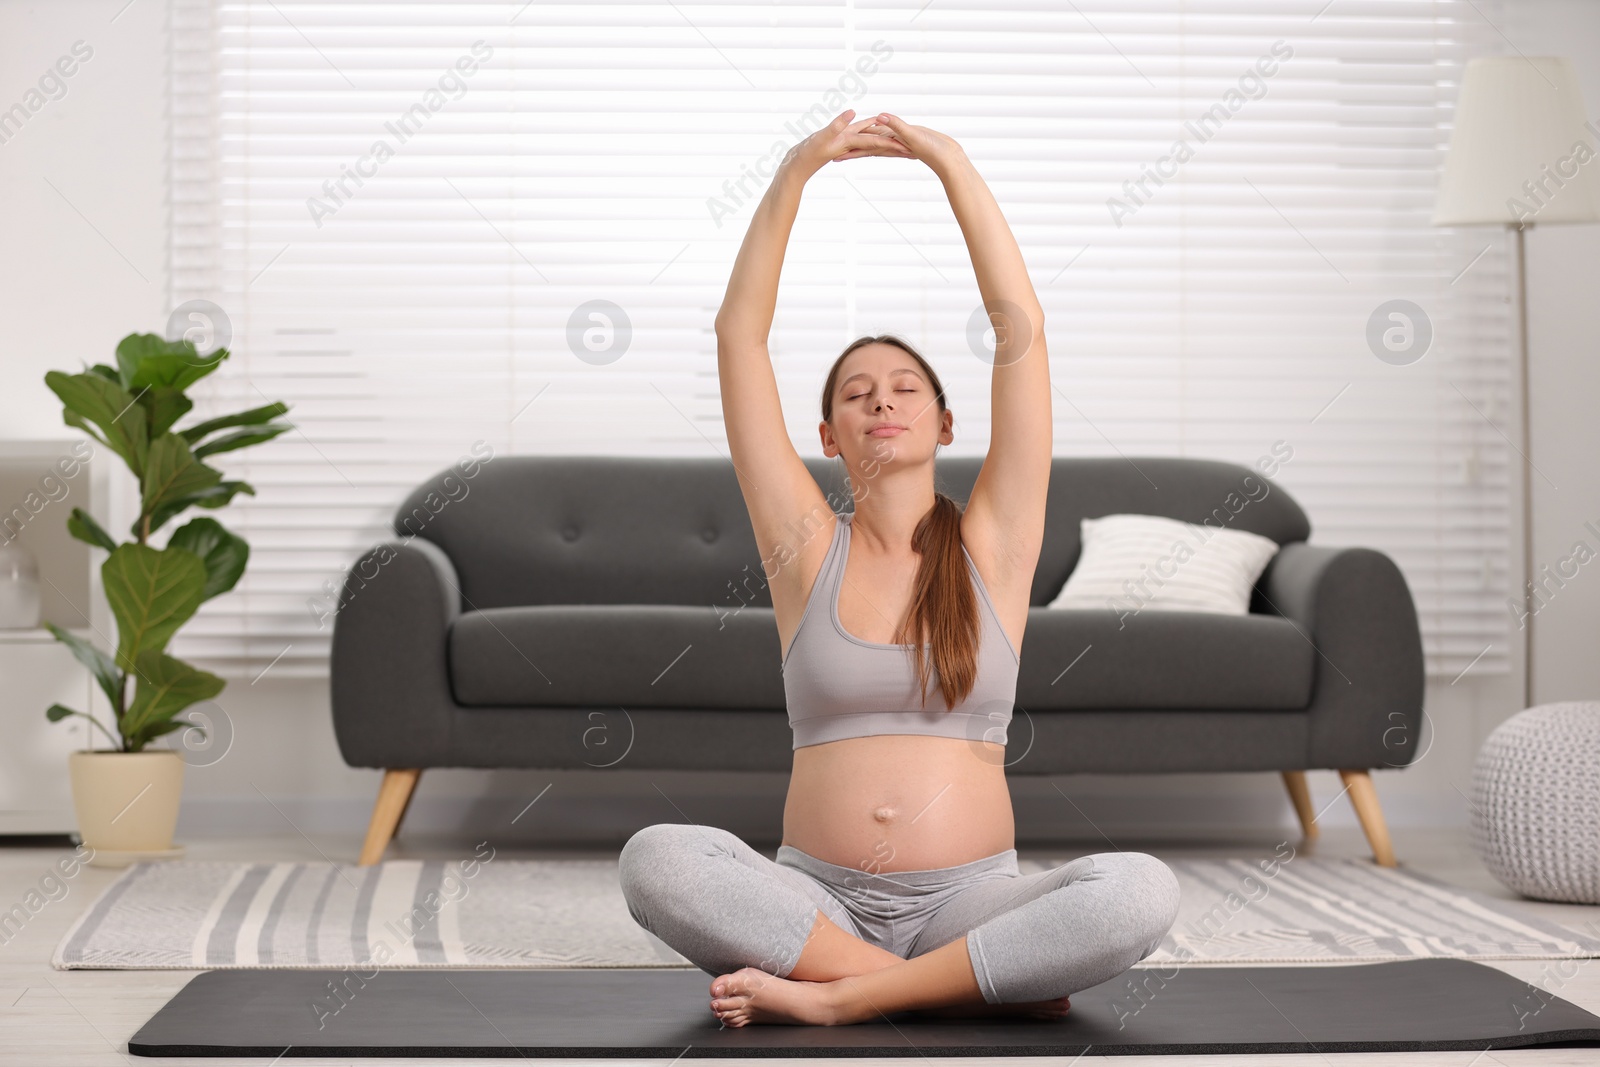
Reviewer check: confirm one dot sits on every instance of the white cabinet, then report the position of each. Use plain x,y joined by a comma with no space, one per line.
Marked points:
36,670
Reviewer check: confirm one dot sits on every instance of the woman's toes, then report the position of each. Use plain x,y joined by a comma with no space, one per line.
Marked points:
754,996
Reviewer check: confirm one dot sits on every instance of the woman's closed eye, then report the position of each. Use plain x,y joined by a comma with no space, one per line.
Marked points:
858,396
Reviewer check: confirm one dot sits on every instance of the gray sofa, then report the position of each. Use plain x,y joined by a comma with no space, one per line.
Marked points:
595,611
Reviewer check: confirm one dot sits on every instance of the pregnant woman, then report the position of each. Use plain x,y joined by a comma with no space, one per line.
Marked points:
896,887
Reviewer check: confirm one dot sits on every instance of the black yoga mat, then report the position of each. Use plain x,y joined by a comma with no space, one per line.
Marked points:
1405,1006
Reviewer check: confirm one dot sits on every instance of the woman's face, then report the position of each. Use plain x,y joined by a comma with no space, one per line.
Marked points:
884,410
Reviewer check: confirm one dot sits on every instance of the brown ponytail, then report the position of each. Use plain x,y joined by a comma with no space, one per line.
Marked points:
944,608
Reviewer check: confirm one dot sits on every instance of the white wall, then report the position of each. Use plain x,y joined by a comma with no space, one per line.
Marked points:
70,276
69,293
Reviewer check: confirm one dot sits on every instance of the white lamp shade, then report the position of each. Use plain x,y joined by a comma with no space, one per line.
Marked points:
1522,150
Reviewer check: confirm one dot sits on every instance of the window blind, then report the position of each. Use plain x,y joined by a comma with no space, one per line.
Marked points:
437,229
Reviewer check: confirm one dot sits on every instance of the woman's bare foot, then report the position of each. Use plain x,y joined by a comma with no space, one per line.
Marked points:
1036,1009
751,995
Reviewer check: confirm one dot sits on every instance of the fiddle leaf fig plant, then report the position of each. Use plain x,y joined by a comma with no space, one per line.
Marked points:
131,409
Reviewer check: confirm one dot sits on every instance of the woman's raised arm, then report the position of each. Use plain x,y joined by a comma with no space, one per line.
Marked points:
776,485
1005,512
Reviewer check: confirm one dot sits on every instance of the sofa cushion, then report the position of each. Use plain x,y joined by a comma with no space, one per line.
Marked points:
668,656
628,655
1138,563
1081,658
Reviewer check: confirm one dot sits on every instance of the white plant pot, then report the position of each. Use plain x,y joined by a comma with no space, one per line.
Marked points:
127,803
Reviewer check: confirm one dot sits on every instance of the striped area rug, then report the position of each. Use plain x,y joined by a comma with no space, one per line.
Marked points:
1306,910
571,913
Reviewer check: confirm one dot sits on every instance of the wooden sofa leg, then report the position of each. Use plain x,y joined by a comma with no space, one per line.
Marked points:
406,808
1300,794
1365,798
394,796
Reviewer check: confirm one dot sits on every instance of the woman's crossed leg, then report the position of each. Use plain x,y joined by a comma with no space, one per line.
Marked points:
1053,933
1026,939
726,907
752,921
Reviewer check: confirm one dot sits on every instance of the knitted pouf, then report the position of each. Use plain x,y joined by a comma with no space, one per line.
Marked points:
1536,802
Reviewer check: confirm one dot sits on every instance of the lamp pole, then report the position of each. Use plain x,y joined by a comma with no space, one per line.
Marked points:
1527,465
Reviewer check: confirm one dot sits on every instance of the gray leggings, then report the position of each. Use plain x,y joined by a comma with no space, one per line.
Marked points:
723,906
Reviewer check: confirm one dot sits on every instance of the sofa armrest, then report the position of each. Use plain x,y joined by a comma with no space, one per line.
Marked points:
389,670
1355,608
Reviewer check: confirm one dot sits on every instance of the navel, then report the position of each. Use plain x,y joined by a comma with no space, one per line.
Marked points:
883,814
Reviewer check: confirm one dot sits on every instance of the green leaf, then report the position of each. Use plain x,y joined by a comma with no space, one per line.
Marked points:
81,524
152,592
164,406
102,666
150,360
72,418
253,417
171,472
108,373
216,500
153,732
166,686
223,554
110,407
57,712
241,439
214,497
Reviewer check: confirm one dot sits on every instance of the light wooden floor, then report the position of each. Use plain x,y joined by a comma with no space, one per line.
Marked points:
86,1017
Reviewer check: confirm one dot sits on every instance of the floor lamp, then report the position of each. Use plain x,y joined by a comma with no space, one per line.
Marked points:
1521,154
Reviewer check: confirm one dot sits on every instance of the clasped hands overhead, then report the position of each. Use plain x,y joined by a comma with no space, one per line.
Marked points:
883,134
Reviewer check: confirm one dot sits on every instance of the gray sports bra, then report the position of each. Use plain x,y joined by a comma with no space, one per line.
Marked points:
840,686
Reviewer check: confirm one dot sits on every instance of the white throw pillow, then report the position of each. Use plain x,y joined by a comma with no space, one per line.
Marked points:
1133,562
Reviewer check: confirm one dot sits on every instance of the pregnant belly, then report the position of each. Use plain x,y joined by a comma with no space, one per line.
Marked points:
899,803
